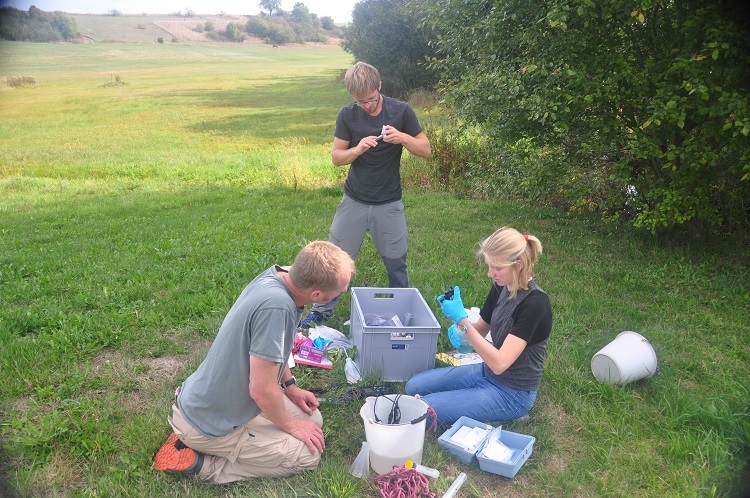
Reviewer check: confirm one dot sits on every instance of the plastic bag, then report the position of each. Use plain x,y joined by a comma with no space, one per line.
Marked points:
338,340
361,466
494,449
383,320
351,371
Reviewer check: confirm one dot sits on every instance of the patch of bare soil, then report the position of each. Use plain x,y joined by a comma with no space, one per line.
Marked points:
147,373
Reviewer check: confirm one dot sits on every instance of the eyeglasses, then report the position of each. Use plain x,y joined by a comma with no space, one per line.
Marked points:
362,103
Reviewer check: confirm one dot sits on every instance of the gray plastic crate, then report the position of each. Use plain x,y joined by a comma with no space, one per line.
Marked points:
393,353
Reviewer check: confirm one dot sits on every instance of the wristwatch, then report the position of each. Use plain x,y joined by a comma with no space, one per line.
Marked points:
463,328
288,383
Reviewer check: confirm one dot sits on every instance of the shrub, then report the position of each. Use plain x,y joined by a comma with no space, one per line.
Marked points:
160,39
327,23
280,34
233,31
318,38
36,25
17,81
257,27
209,26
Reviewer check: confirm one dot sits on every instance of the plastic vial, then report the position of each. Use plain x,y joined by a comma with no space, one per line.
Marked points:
455,486
428,471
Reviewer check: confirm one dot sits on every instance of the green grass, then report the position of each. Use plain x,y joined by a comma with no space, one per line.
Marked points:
131,217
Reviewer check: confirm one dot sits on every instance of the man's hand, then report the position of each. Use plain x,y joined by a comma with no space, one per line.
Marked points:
308,433
366,144
302,398
392,135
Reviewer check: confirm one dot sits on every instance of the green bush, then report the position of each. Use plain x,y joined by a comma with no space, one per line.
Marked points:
257,27
36,25
280,34
233,31
380,25
647,109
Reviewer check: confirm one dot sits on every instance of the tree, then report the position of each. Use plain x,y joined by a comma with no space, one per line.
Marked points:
327,23
301,14
386,34
646,108
270,6
36,25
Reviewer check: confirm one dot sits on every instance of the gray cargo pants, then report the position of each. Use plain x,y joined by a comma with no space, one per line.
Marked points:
387,226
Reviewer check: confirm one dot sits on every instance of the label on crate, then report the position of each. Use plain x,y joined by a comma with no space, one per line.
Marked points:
403,347
402,336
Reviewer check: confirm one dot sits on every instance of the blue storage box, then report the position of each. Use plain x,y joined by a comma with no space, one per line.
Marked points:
520,444
463,454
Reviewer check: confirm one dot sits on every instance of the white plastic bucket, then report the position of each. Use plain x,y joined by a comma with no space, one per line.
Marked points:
628,358
394,444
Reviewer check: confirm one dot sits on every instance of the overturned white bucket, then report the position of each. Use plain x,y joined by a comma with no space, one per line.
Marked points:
393,442
628,358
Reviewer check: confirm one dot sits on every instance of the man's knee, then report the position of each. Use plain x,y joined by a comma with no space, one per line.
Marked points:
317,418
308,460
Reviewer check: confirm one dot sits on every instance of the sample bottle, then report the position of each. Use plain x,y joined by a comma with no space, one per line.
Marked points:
428,471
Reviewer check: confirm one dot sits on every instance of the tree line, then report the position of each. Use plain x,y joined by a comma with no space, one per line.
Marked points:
278,27
36,25
636,111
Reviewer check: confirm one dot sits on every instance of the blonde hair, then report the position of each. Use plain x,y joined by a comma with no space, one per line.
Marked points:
319,266
362,79
506,247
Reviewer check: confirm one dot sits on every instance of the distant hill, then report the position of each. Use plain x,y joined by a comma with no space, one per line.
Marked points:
148,28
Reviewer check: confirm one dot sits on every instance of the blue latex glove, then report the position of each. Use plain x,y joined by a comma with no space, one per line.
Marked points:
453,308
454,337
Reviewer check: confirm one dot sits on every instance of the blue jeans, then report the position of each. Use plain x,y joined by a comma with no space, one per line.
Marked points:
468,390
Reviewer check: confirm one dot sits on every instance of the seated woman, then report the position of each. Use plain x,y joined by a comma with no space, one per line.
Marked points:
518,314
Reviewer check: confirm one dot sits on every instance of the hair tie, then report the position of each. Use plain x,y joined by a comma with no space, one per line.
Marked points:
525,236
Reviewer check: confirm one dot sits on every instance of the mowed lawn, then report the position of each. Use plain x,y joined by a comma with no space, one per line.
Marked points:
143,185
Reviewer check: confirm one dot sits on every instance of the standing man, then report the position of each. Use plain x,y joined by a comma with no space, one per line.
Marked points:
240,414
370,136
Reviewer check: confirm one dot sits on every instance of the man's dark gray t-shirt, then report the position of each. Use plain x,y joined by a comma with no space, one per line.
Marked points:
375,177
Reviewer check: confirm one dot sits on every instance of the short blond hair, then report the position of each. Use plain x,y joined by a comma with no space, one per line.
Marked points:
319,266
362,79
506,247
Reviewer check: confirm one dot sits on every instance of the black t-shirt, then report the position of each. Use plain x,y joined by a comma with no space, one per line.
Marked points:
532,319
375,177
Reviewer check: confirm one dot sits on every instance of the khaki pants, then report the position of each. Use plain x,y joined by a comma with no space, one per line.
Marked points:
257,449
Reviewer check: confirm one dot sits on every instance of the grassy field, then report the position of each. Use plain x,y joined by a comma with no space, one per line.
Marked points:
143,185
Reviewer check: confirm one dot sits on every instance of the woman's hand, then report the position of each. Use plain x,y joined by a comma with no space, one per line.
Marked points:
453,308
